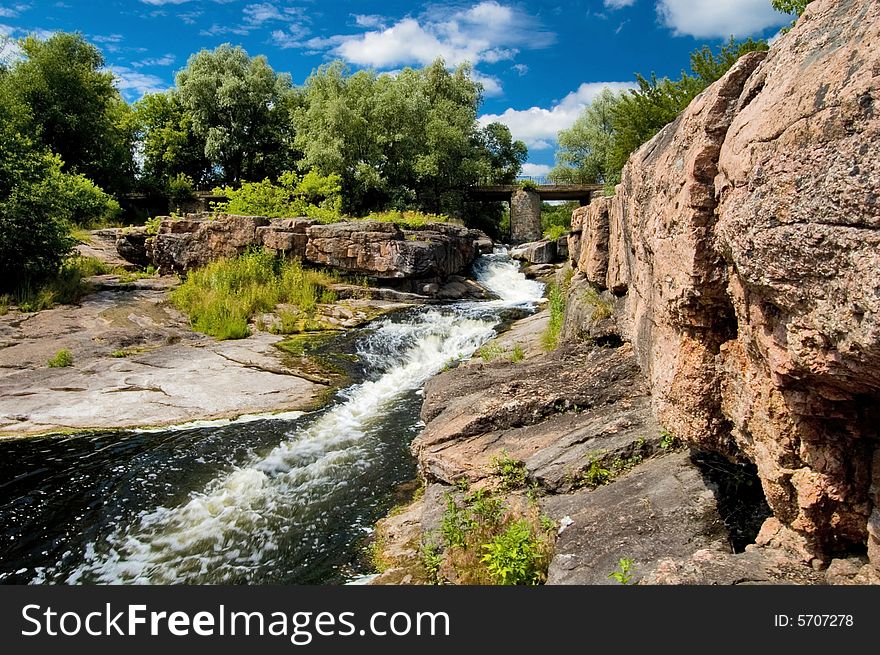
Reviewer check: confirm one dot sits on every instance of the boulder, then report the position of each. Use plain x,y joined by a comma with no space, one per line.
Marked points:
131,245
562,248
287,237
383,250
536,252
182,245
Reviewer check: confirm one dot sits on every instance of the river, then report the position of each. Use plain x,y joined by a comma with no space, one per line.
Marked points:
286,500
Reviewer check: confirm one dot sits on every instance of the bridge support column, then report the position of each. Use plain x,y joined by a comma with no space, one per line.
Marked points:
525,216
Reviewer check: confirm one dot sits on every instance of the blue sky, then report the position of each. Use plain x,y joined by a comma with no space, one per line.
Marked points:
540,61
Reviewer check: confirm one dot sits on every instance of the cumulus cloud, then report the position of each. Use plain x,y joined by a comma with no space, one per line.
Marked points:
719,18
538,126
485,32
491,85
134,85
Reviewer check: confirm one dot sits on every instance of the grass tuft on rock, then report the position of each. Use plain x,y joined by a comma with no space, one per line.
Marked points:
221,298
62,359
556,296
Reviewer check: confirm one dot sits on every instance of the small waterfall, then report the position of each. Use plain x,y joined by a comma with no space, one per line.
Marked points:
270,512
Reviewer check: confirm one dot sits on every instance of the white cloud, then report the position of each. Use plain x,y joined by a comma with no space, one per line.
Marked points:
165,60
159,3
134,85
538,126
535,170
719,18
521,69
370,21
265,12
485,32
619,4
491,85
13,11
107,38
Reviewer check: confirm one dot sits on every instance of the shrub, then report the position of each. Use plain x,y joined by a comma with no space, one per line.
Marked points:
62,359
83,202
557,317
180,189
513,472
222,297
411,220
528,185
624,573
516,556
555,232
313,195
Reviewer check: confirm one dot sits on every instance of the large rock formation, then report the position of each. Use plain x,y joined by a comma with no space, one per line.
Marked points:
744,240
371,248
383,250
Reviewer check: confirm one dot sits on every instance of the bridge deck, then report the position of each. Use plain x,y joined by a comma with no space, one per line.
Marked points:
582,192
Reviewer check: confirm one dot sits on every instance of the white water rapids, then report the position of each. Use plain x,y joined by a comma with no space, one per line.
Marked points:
239,523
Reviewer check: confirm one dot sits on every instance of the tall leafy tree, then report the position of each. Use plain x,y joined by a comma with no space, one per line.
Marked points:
584,149
169,144
239,106
75,109
796,7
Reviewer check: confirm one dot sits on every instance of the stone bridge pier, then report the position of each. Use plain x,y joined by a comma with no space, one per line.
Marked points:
525,204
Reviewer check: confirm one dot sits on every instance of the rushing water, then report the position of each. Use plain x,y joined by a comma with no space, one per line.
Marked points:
281,500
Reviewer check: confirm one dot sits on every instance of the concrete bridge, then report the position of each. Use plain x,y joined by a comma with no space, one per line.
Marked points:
525,203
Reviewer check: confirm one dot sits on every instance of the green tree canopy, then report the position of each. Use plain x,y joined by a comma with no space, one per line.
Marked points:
410,141
613,126
584,149
169,144
75,110
239,107
796,7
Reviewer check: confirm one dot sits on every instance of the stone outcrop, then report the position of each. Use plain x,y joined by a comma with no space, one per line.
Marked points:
385,251
743,244
370,248
536,252
182,245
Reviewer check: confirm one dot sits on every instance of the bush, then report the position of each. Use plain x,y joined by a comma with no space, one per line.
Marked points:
512,472
180,189
222,297
82,202
313,195
516,556
410,220
556,232
62,359
557,317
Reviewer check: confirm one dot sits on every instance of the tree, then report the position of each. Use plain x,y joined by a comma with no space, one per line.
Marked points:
796,7
239,107
170,146
75,110
596,148
584,149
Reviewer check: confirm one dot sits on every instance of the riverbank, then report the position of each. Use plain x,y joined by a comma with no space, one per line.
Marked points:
134,362
570,435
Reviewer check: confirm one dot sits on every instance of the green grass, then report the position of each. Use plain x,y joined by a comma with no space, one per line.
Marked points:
221,298
490,352
556,296
518,354
67,287
602,308
486,541
62,359
5,303
407,219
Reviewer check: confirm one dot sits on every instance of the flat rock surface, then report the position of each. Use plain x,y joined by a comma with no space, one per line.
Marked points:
663,508
135,363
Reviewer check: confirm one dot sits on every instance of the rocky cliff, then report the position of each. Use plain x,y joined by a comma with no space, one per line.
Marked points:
741,252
